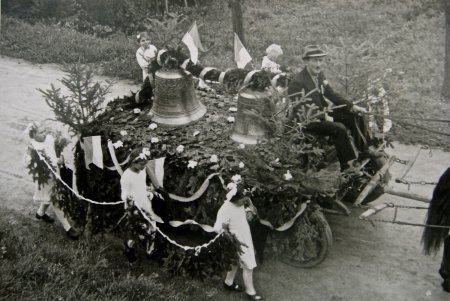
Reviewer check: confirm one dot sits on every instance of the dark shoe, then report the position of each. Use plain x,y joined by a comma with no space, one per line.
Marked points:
73,234
45,218
130,253
254,297
234,287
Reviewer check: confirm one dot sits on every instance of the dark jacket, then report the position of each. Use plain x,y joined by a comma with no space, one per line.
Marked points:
302,82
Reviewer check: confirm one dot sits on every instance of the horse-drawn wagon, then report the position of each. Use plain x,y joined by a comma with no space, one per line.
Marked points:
200,142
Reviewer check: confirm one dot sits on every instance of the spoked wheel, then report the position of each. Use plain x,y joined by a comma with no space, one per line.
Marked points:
312,241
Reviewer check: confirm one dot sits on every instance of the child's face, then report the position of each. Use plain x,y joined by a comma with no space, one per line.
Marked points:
39,135
144,42
273,56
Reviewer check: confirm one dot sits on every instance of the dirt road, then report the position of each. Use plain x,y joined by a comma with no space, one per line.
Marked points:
365,263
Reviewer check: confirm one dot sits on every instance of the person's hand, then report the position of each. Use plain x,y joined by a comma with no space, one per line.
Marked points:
163,192
358,109
60,160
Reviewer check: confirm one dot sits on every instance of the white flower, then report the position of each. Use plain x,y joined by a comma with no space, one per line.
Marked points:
146,151
196,133
118,144
192,164
232,109
241,165
236,178
232,187
288,176
137,111
154,140
123,133
153,126
142,156
214,159
230,119
242,145
180,148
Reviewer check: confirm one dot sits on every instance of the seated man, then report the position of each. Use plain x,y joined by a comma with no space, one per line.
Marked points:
311,82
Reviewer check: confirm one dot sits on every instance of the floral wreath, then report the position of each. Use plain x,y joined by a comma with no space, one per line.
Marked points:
144,155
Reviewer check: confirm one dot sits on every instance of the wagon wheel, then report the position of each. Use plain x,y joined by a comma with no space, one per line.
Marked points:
312,250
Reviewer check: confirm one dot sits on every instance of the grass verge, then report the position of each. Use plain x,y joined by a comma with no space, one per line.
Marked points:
38,262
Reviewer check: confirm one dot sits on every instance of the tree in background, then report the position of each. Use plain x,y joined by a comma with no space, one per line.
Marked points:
236,15
446,84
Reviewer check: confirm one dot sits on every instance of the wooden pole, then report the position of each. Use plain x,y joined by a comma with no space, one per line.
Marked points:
407,195
374,181
236,15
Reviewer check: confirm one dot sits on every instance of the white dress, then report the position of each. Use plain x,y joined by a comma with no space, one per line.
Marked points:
144,58
134,184
236,218
42,193
269,65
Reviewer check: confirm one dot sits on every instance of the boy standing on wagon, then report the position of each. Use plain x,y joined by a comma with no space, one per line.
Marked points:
146,56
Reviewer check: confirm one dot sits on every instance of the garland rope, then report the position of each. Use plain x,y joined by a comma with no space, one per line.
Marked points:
196,248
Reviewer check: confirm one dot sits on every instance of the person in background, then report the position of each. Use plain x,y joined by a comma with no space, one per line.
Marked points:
269,62
43,142
232,215
312,84
439,215
134,191
146,56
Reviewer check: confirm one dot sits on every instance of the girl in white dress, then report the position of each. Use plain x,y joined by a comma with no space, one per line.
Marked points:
134,189
232,215
42,142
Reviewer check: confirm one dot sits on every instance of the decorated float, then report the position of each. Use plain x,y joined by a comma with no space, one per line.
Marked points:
199,143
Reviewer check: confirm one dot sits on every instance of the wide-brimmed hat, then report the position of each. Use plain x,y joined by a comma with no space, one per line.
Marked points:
313,51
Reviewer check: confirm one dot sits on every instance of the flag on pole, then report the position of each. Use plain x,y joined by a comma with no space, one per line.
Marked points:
241,55
193,43
93,153
156,167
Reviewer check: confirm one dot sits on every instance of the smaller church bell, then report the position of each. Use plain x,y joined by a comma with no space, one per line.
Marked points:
175,101
248,128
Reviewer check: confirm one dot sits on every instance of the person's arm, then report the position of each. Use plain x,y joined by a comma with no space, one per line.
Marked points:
336,98
143,63
125,189
221,219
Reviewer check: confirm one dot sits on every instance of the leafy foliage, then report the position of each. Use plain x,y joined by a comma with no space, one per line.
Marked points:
84,101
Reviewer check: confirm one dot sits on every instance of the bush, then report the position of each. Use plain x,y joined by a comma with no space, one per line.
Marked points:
41,43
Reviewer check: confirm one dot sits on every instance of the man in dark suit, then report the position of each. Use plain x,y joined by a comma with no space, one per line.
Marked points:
311,87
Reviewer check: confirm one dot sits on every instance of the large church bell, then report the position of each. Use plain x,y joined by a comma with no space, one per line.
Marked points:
175,102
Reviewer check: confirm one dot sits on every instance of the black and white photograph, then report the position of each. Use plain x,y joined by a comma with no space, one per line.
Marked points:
284,150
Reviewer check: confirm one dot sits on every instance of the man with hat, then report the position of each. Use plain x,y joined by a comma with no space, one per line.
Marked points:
311,87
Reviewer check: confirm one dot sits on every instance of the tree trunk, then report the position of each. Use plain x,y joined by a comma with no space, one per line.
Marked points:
167,6
236,15
446,84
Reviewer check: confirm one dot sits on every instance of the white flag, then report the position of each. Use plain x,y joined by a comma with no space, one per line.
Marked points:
93,153
241,55
193,43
